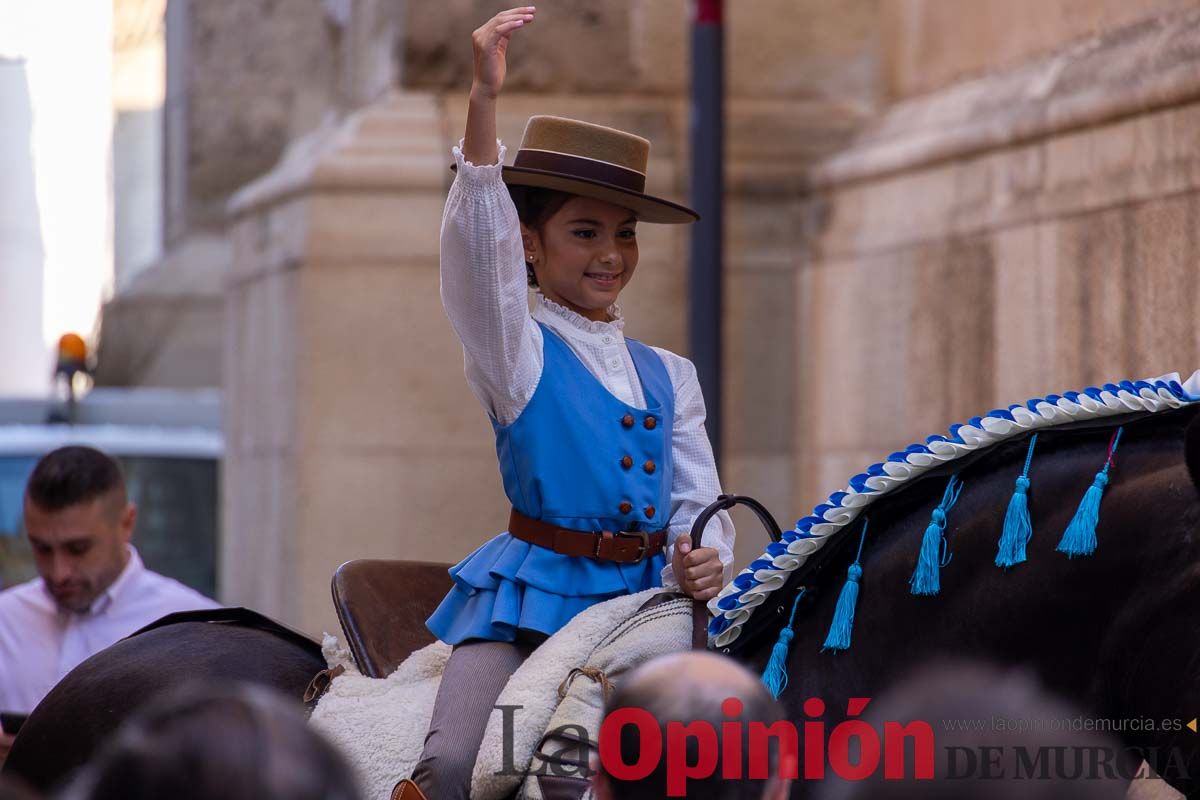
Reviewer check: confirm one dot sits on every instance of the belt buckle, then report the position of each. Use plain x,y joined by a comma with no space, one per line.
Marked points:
643,547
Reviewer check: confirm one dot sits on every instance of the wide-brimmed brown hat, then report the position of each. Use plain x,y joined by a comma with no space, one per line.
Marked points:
593,161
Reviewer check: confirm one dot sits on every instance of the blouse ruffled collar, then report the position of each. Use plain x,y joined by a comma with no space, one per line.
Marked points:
580,322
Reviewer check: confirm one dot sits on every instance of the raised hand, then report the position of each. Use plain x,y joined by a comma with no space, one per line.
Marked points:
490,45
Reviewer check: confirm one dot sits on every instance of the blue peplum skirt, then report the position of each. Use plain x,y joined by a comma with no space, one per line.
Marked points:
507,585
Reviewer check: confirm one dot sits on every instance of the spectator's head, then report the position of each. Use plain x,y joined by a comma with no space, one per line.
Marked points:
12,789
987,723
686,688
239,742
79,522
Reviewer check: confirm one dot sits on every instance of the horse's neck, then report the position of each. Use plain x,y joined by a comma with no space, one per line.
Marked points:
1051,612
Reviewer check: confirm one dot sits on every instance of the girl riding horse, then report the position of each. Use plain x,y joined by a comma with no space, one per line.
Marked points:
600,438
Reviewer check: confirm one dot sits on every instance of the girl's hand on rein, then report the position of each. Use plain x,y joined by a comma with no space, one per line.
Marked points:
700,572
490,44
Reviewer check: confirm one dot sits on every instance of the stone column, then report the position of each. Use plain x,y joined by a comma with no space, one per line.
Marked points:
242,79
138,84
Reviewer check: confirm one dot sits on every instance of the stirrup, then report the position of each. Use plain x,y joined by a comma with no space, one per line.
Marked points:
407,790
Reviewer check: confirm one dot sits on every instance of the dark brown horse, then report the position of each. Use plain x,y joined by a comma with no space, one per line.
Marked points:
1117,633
85,708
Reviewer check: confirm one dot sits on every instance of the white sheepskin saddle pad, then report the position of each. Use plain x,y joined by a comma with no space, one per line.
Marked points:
380,724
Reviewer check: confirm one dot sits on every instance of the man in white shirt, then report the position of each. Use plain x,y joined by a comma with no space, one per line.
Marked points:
93,589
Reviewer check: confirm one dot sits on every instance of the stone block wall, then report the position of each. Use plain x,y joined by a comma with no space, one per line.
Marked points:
257,74
929,44
1028,231
242,79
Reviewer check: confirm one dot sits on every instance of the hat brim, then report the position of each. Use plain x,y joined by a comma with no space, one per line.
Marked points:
647,207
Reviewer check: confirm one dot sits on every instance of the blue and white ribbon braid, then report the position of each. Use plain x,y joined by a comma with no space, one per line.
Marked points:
753,585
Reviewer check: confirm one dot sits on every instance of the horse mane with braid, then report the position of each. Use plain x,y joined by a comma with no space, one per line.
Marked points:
1084,621
939,455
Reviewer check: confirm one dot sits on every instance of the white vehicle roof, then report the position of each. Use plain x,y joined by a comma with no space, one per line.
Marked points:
116,440
167,408
122,422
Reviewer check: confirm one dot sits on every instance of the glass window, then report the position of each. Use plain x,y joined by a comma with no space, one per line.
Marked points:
16,560
176,532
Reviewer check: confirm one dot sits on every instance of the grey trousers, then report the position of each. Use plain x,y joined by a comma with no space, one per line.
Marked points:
475,674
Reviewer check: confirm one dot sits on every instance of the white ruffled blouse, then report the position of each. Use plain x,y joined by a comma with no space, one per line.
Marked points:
485,292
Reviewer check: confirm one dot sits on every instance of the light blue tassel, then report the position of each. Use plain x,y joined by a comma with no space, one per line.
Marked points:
775,675
1017,528
935,554
843,615
1079,539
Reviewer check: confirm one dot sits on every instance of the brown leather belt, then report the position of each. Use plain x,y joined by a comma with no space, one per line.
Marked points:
624,547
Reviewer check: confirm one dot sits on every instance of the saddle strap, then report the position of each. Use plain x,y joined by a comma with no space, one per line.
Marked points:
699,625
700,615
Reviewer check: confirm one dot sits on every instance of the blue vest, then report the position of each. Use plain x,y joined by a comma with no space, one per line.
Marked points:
563,462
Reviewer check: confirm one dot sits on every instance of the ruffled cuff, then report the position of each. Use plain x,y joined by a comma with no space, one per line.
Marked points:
475,174
668,572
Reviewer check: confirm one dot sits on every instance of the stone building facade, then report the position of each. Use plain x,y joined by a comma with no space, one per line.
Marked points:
239,81
1020,219
933,209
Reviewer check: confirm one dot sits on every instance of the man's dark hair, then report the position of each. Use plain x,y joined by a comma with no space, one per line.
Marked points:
680,698
71,476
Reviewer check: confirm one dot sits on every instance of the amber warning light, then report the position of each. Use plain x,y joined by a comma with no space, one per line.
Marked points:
72,354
